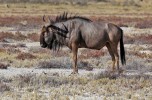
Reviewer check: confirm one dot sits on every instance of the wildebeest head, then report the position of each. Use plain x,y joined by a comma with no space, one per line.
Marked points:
48,35
42,40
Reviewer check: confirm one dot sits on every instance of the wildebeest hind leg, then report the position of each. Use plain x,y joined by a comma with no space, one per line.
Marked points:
111,54
116,56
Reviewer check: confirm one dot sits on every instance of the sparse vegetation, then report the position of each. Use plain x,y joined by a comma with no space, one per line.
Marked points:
23,56
18,36
138,39
3,66
4,87
52,86
33,37
86,53
30,72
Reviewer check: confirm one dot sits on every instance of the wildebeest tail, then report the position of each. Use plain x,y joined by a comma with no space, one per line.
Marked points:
122,49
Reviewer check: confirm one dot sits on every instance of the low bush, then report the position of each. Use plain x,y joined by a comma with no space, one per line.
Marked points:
3,66
23,56
4,87
86,53
9,35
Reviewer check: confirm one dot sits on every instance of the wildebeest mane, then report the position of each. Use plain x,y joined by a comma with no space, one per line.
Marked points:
59,30
56,46
57,43
58,40
65,17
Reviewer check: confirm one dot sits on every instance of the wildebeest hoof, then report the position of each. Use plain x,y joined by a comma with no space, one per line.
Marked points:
74,73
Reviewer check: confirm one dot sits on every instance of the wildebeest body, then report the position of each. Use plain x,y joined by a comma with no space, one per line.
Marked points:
79,32
91,35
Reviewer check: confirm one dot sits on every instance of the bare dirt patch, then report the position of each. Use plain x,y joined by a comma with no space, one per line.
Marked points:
31,72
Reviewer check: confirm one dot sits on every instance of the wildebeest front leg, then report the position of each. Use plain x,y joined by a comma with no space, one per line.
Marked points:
74,56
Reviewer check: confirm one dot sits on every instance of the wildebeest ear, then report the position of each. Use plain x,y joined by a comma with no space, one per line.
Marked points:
43,28
44,18
49,19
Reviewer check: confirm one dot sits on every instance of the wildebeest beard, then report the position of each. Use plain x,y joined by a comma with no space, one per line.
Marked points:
56,45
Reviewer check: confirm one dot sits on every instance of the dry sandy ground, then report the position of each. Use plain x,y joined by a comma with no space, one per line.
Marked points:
62,75
129,47
11,72
86,78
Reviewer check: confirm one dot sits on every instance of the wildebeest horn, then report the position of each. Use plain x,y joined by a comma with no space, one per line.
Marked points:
59,30
44,18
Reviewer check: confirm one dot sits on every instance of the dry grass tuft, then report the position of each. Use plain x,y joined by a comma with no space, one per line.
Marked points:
22,80
2,50
60,53
4,35
126,21
86,53
3,66
23,56
139,65
146,39
141,55
61,62
105,74
4,87
39,50
12,50
9,35
144,24
64,63
128,40
138,39
20,36
46,64
34,37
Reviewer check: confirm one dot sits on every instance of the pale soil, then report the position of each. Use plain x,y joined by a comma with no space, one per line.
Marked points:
12,72
33,83
97,75
128,31
72,91
136,32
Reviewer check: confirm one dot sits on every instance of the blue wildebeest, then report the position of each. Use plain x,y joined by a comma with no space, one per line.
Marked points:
79,32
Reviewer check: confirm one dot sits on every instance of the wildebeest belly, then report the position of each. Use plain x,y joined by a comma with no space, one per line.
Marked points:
94,35
94,40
